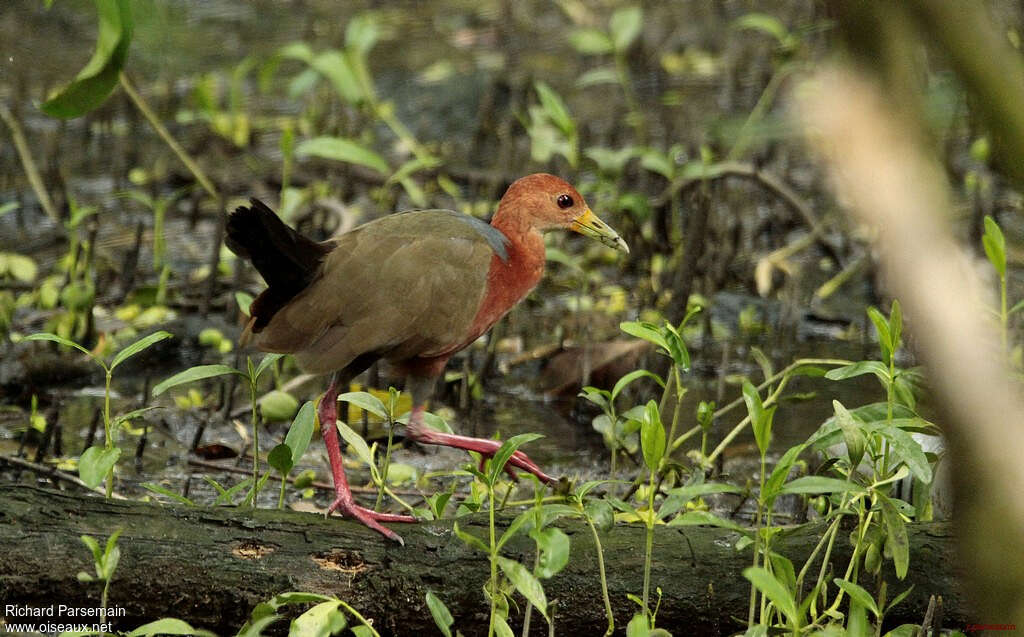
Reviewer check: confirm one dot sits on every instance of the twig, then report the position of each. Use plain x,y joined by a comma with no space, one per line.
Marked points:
29,164
54,473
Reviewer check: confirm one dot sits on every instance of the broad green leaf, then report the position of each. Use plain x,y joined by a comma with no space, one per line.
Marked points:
278,406
760,418
678,497
652,436
177,497
469,539
94,464
705,518
97,79
780,473
323,620
367,401
280,458
502,455
169,626
773,589
908,450
555,108
995,245
818,484
638,626
896,323
765,23
341,149
442,616
301,431
601,514
591,42
46,336
856,441
138,346
858,594
355,441
191,375
338,69
20,267
896,533
859,369
625,26
884,333
267,361
524,581
553,545
646,331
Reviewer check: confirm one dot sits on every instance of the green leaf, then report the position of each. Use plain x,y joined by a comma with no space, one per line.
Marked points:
94,547
138,346
646,331
94,464
301,431
169,626
856,441
765,23
909,451
46,336
366,401
705,518
760,418
553,545
267,361
859,369
502,455
632,376
341,149
601,514
555,108
780,473
361,33
818,484
896,533
442,616
177,497
773,589
600,75
338,69
244,301
95,82
678,497
280,458
323,620
278,406
524,581
355,441
652,436
192,374
591,42
20,267
625,25
638,626
8,207
884,334
858,594
995,245
469,539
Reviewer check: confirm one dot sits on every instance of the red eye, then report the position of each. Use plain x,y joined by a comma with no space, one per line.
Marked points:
564,201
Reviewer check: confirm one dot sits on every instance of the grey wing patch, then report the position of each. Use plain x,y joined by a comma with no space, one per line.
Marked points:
495,238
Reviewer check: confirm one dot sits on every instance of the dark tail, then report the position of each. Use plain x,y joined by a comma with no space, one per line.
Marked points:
287,260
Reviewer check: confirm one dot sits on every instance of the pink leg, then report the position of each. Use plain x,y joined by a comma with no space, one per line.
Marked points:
343,502
422,434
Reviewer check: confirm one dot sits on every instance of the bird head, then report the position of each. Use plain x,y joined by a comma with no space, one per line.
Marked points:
546,202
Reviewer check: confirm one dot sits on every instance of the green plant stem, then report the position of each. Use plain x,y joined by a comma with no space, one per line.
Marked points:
108,434
385,465
863,522
600,568
649,544
164,134
361,619
255,439
103,600
494,561
757,543
280,498
29,165
684,437
679,404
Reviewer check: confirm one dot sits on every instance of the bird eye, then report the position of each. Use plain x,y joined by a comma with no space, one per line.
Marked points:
564,201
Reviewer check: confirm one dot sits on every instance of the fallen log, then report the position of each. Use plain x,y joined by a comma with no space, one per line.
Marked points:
210,566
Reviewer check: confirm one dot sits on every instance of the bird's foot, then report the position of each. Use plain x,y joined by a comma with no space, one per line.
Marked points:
518,460
349,509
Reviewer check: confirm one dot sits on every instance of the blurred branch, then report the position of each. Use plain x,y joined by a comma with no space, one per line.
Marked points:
878,165
28,164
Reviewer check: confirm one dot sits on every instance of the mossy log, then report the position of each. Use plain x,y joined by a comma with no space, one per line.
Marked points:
210,566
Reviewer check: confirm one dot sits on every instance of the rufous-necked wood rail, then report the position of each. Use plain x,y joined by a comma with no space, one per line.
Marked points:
412,288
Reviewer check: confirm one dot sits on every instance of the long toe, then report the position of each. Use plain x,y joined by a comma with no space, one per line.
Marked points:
370,518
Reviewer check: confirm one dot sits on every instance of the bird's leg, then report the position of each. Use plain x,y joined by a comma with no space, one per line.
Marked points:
425,435
343,501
